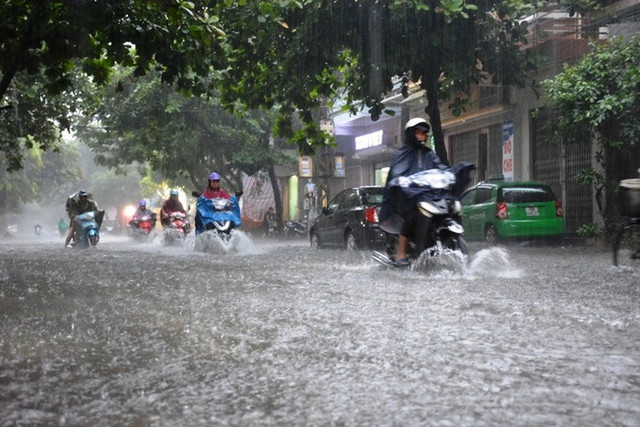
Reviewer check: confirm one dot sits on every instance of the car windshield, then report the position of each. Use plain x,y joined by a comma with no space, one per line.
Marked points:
527,194
372,196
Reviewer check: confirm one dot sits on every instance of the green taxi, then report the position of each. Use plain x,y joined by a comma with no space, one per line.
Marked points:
495,210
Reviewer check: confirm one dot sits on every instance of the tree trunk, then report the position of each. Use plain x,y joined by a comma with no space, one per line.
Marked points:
433,111
276,195
431,84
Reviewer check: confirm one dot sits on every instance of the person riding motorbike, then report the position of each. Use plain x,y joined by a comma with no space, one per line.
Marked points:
141,212
77,204
213,190
398,213
172,204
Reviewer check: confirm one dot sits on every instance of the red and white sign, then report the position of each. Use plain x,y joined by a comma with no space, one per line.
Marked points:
507,150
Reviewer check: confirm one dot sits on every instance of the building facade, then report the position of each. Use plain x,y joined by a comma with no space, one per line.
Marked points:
504,131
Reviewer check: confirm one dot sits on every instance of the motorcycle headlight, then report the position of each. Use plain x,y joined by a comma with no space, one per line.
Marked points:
221,204
427,209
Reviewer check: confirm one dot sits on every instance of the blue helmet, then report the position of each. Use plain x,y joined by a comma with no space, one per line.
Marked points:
143,203
174,192
214,177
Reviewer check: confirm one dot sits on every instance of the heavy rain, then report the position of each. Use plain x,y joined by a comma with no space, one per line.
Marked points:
311,213
280,334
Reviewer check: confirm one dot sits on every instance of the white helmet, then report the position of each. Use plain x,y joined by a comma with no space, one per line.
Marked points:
418,123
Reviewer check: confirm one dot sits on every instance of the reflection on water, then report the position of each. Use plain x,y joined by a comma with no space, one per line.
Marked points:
284,335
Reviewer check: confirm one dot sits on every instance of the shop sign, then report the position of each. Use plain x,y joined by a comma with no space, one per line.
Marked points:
369,140
338,166
507,150
305,167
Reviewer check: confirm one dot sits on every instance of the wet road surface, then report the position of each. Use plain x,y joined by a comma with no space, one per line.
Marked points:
279,334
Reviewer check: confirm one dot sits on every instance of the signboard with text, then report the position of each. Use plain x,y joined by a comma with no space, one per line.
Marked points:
507,150
338,166
369,140
306,167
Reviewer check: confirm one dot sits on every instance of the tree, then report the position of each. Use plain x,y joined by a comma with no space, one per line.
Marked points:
33,119
48,39
598,100
42,175
182,39
331,48
182,138
293,54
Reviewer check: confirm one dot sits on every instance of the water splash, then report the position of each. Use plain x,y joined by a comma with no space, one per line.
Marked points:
243,243
448,261
493,262
172,237
211,242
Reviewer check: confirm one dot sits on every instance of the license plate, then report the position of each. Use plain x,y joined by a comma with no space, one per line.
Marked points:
532,211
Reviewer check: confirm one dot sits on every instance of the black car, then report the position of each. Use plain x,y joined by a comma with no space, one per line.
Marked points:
350,221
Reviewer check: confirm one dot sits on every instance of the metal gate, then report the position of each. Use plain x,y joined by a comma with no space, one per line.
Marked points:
559,167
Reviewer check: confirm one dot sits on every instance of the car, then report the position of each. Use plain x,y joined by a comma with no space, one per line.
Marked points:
350,221
496,209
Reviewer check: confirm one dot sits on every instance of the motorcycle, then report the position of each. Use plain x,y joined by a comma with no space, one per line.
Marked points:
295,229
142,227
438,227
222,216
176,228
86,229
63,226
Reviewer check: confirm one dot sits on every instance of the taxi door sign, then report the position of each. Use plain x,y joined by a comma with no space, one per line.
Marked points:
507,150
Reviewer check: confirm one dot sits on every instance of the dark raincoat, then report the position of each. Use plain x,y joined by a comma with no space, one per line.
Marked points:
411,158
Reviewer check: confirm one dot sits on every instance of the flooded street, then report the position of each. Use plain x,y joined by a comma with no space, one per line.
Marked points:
279,334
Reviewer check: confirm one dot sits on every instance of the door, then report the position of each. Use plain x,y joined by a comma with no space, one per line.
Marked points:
329,221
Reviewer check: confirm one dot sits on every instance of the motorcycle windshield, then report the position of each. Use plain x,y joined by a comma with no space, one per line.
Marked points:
433,183
206,212
433,178
402,193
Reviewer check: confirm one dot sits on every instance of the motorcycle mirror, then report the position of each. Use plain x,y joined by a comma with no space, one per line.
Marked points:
195,194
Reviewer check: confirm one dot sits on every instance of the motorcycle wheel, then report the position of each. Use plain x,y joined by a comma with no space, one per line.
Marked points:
93,240
456,242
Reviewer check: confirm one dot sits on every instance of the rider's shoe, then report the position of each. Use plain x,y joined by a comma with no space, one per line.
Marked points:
401,262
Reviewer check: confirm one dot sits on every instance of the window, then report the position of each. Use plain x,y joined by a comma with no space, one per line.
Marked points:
334,203
527,194
351,200
467,198
484,195
372,196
